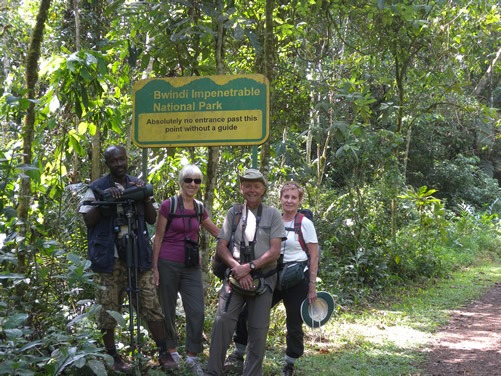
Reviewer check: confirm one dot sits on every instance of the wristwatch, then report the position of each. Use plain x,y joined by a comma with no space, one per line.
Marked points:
252,266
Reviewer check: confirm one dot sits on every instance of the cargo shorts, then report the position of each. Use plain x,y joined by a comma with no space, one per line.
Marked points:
112,288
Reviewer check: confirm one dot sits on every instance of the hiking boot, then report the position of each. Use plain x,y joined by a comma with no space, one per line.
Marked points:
288,370
167,362
234,364
120,365
194,367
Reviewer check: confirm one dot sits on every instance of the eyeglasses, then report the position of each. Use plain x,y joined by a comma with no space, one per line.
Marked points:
189,180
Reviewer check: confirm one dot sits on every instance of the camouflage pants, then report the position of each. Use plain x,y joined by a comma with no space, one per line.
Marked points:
112,289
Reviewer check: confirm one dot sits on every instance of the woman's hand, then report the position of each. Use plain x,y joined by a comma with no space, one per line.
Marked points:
312,292
156,277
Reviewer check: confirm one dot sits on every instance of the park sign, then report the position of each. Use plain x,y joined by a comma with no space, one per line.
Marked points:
201,111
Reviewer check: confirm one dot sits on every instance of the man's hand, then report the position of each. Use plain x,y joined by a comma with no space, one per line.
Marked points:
113,192
138,183
240,271
247,282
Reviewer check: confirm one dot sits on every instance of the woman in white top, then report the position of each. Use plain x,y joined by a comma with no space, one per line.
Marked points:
293,252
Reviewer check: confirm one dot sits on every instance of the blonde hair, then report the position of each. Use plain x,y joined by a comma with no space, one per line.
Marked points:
292,185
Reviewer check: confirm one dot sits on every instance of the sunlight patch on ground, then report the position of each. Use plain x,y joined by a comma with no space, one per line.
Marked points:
381,335
400,336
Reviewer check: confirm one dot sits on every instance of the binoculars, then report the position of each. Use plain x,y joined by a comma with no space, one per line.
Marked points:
131,193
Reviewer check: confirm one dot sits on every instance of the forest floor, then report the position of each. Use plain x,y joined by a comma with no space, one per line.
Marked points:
470,344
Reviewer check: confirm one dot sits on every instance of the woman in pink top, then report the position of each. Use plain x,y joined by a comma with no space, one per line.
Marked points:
176,264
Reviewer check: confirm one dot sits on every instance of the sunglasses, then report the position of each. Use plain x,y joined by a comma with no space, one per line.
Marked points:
189,180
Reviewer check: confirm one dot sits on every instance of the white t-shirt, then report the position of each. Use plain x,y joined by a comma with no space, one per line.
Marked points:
291,248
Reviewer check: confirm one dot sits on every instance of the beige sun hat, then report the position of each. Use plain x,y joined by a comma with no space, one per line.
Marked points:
319,312
253,174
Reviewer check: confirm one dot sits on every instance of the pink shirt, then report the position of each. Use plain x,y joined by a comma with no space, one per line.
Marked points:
172,248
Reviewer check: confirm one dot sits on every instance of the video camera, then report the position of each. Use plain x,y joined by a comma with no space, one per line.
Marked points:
131,193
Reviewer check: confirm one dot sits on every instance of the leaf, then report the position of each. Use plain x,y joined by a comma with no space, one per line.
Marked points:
92,129
97,367
90,59
118,317
82,128
85,98
15,320
27,167
24,372
11,275
77,319
11,99
69,360
13,334
74,142
84,72
78,107
31,345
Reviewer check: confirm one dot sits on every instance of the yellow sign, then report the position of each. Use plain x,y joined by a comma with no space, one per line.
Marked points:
201,111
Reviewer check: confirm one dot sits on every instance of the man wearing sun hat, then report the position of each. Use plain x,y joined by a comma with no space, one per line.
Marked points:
252,262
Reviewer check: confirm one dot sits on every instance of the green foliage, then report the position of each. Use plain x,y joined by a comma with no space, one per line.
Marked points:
384,111
49,331
462,181
438,242
52,334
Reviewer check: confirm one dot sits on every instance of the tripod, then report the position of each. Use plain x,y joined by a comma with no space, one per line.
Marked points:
125,225
132,261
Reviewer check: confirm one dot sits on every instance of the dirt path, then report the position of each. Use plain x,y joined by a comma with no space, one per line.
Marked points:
470,344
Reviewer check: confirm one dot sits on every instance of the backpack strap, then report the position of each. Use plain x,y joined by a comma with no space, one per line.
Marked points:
173,208
298,230
199,210
298,219
174,201
237,209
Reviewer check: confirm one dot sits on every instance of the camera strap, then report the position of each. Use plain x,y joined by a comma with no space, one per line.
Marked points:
181,207
245,244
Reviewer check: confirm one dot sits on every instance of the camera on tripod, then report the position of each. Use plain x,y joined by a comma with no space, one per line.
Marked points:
131,193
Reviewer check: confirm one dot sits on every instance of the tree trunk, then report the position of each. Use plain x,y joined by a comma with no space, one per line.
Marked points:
75,160
213,152
96,138
31,76
268,72
487,77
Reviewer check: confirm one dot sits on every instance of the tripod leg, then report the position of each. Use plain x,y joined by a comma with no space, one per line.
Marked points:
130,292
137,295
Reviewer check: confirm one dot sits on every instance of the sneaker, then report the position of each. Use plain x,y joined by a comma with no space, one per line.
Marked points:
177,358
194,367
167,362
234,364
288,370
120,365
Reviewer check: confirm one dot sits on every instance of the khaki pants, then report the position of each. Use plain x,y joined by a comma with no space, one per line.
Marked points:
111,291
229,307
